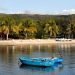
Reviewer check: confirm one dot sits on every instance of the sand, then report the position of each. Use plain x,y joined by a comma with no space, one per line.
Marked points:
34,41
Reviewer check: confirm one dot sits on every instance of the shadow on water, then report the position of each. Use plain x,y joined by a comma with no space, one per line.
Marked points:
44,69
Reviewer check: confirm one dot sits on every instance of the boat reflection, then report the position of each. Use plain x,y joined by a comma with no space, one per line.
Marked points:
44,69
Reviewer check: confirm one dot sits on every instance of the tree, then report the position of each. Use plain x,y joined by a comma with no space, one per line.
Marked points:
29,27
72,30
6,26
5,30
51,28
68,31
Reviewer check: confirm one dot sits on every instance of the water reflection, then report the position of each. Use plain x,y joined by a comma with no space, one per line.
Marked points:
44,69
9,56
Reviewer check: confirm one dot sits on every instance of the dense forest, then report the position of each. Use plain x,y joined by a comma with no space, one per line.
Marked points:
26,26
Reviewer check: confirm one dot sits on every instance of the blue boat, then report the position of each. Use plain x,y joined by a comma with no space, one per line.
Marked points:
57,60
44,62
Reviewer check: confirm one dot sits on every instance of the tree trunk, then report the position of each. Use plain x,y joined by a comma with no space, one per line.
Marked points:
7,36
26,35
49,34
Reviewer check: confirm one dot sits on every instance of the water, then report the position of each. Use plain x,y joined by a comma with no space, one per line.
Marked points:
9,59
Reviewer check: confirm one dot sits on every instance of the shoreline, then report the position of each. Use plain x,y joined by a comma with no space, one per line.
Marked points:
35,42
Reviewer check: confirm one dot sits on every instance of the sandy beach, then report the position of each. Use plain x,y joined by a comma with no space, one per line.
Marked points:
34,41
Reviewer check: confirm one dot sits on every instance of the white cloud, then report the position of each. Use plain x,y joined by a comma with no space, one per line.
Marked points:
63,12
27,12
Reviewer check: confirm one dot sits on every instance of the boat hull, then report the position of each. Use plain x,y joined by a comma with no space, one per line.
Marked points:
58,60
44,62
37,62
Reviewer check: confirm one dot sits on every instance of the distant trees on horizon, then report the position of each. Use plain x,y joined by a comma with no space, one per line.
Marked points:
24,26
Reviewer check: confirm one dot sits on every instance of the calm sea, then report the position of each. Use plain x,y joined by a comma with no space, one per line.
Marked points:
9,59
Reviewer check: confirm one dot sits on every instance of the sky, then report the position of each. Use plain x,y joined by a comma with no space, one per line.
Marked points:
37,6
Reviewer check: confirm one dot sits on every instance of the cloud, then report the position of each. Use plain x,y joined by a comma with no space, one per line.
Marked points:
65,12
71,11
27,12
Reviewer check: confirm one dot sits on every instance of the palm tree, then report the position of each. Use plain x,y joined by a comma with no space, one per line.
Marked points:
5,30
1,32
29,27
72,30
32,30
68,31
15,29
6,26
51,28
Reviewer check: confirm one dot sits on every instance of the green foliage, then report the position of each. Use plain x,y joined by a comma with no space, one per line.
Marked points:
22,26
51,28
